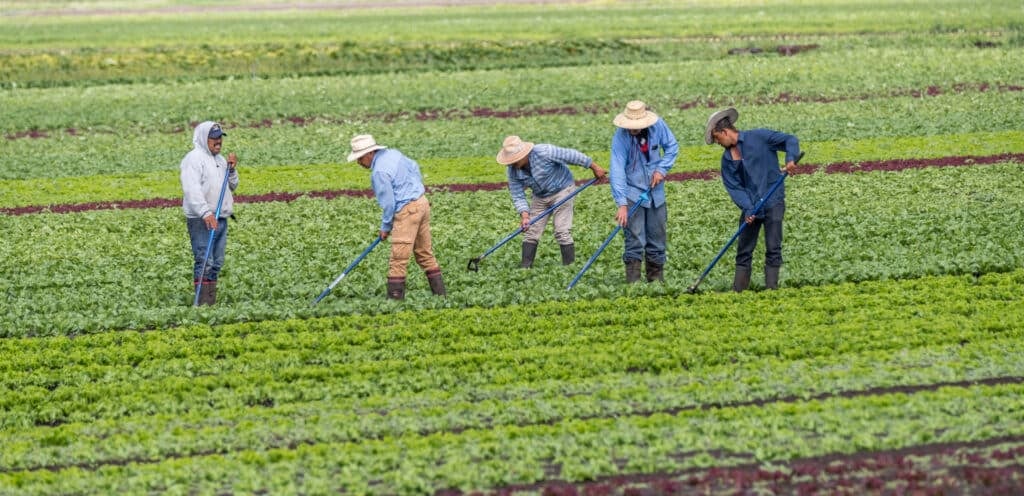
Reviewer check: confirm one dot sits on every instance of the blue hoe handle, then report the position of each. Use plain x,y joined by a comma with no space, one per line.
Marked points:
351,266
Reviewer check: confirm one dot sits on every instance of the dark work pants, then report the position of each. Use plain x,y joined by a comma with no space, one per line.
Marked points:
199,236
772,222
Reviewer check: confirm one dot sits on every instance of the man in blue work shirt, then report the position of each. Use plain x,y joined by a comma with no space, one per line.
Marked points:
643,151
545,170
398,186
750,166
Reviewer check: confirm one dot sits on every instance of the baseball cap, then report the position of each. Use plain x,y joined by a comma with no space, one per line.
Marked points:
216,132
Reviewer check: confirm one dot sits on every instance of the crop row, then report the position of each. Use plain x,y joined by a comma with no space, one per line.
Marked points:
128,269
990,467
397,356
164,107
843,124
154,28
571,450
407,400
282,183
162,64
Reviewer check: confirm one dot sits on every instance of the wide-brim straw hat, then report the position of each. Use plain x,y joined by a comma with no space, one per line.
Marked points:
729,113
513,149
636,116
361,145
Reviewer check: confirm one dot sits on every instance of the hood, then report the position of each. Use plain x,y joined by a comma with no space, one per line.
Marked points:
200,134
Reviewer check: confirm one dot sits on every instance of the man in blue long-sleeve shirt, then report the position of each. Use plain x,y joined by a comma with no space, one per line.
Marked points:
643,151
750,166
545,170
398,186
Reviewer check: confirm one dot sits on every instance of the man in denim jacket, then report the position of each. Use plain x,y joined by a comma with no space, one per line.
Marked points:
643,151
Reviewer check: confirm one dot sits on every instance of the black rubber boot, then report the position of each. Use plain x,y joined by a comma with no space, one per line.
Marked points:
741,280
436,282
633,271
568,253
771,277
654,272
529,253
396,288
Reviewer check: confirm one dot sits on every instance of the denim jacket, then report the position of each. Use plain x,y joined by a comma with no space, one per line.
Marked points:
631,170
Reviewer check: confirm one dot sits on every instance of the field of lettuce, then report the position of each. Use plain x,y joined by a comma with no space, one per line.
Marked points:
891,361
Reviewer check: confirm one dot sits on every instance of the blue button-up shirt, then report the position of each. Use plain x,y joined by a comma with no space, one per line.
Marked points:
548,173
747,180
631,170
396,181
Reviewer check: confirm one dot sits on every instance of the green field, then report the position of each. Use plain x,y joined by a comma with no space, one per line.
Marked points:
889,361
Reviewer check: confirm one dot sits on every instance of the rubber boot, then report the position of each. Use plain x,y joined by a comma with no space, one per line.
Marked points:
396,288
741,280
436,282
207,292
654,272
529,253
568,253
771,277
632,271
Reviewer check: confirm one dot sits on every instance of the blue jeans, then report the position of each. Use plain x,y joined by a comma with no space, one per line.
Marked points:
747,241
645,235
200,237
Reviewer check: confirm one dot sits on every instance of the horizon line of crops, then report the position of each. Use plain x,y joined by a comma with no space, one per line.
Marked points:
89,271
507,22
155,107
324,143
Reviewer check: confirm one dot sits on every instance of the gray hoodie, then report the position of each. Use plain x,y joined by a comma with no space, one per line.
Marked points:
202,175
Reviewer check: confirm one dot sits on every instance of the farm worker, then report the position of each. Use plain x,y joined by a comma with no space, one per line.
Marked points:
750,166
202,179
398,186
643,151
545,170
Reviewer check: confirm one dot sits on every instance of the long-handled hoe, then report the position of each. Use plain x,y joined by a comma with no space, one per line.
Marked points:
693,287
348,269
209,244
474,263
639,201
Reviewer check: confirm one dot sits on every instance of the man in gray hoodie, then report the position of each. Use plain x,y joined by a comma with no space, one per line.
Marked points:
204,172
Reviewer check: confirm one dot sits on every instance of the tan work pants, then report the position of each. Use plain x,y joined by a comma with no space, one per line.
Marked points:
561,217
410,235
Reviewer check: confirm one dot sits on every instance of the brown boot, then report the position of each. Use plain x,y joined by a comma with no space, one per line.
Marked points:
654,272
396,288
741,280
633,271
771,277
207,292
436,282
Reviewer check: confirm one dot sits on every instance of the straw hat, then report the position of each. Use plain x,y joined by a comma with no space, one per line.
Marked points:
361,145
729,113
513,149
636,116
